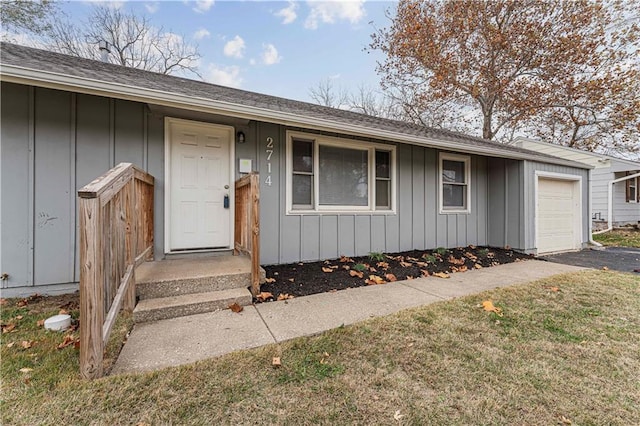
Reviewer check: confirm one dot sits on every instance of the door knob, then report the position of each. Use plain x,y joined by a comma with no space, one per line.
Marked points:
226,187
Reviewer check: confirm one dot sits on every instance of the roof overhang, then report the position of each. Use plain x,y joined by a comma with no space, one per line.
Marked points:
41,78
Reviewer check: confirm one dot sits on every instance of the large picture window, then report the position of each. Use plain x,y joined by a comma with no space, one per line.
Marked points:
326,174
455,176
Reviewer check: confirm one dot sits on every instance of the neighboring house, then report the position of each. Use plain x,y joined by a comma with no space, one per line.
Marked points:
625,193
332,182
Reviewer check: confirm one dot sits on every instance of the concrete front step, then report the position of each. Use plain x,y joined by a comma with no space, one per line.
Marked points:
189,304
166,278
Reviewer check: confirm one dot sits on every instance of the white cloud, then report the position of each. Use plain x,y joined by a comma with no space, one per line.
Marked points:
270,54
152,7
252,61
203,6
328,12
234,48
225,76
288,14
201,33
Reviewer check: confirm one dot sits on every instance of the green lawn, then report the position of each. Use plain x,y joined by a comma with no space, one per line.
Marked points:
619,238
565,349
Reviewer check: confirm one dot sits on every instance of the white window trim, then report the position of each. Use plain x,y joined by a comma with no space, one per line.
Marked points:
343,143
467,172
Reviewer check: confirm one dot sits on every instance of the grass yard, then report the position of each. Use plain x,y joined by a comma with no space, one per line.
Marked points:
564,350
619,238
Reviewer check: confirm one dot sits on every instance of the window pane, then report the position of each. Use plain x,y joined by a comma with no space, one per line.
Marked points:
302,156
454,196
301,190
343,176
383,195
453,171
383,169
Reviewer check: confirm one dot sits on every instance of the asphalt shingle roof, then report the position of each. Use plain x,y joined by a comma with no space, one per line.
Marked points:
56,63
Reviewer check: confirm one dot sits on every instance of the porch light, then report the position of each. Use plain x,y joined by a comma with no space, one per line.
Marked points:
240,137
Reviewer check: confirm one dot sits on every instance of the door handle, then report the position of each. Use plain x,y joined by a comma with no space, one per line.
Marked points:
226,201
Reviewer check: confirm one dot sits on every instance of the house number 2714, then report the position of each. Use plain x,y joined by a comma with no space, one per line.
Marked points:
269,152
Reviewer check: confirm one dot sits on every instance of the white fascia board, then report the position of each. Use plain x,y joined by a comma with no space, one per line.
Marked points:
41,78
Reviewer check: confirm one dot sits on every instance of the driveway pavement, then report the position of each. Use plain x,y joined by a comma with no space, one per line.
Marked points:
623,259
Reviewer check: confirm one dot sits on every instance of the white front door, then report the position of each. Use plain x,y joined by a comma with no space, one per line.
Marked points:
199,180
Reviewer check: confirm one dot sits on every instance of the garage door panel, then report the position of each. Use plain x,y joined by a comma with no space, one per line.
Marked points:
557,216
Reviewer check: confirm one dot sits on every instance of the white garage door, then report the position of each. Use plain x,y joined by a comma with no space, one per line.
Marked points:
558,221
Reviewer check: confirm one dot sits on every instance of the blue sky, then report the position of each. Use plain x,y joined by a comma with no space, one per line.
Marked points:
280,48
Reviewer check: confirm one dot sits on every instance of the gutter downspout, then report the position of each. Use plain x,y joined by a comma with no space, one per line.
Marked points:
610,201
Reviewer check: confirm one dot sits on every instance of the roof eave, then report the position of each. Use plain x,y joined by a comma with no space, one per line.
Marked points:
41,78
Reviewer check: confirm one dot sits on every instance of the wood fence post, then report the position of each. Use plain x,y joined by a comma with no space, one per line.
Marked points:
255,234
129,302
91,288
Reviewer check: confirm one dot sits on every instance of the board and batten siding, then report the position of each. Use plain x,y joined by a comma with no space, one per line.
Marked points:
53,143
505,203
416,224
529,170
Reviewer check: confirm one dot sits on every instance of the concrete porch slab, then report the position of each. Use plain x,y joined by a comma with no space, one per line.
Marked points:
195,267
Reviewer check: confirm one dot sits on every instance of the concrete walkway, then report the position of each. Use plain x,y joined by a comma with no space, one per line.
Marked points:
177,341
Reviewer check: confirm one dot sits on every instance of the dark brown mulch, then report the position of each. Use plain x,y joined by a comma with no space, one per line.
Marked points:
302,279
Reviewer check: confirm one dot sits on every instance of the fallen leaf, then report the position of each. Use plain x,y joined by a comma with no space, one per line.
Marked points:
391,278
405,264
372,269
10,345
455,261
477,266
346,267
327,270
264,295
22,303
345,259
19,317
275,362
270,280
471,256
463,268
374,280
383,265
324,358
605,268
409,277
355,273
3,301
8,328
40,323
441,274
414,259
566,421
26,344
26,370
235,307
488,306
554,289
424,272
68,340
285,296
63,312
397,416
291,279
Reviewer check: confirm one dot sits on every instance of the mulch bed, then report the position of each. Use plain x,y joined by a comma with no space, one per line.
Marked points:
302,279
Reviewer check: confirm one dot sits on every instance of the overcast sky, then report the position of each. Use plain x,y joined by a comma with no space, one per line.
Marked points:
280,48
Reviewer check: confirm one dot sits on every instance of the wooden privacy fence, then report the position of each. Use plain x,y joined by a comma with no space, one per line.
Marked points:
116,235
247,224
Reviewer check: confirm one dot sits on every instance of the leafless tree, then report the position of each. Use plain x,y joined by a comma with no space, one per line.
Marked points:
132,40
326,94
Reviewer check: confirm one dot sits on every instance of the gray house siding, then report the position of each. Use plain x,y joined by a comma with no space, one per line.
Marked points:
53,143
529,169
599,192
415,225
505,203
